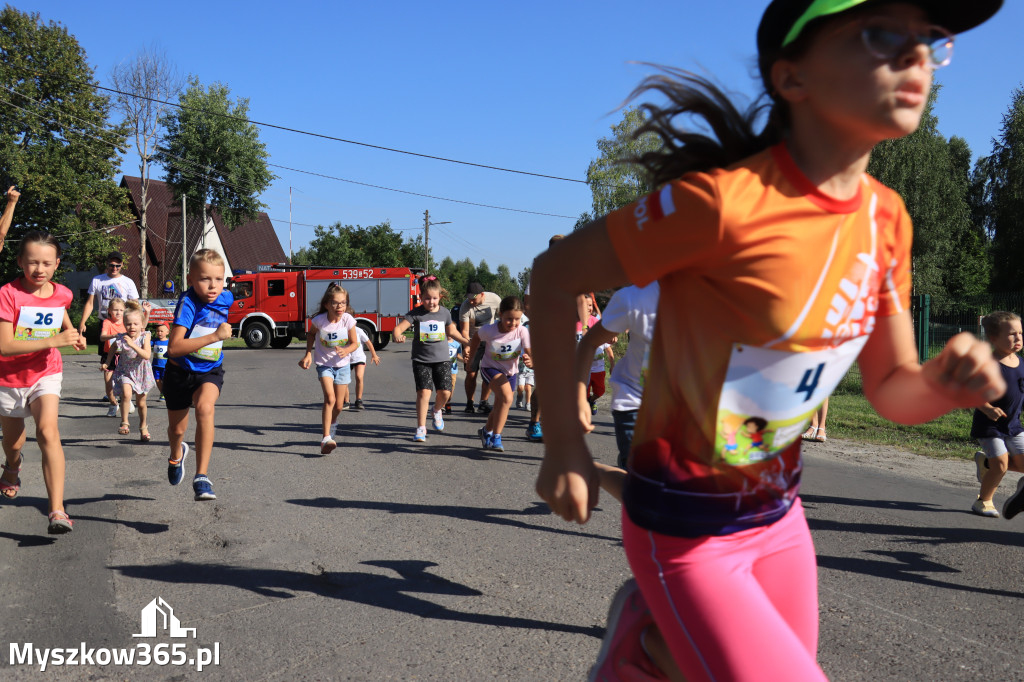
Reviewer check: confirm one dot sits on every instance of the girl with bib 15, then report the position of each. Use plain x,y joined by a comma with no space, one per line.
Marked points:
780,262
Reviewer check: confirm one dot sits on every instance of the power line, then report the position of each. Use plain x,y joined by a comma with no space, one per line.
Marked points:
203,175
322,135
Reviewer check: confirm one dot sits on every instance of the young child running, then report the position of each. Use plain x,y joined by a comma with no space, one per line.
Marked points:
454,354
195,367
358,364
524,385
111,328
633,309
133,374
996,424
753,238
330,343
432,326
34,323
160,356
504,341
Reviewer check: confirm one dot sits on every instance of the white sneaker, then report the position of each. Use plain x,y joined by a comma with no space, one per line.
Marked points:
421,434
439,420
333,430
327,446
113,410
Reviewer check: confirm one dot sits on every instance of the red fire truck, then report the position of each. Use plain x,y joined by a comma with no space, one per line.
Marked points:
273,306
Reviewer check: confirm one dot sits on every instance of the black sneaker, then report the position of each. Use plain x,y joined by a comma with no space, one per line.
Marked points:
448,409
1015,503
484,408
469,408
358,405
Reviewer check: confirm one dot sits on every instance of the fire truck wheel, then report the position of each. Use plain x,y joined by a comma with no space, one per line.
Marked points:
280,342
256,335
383,339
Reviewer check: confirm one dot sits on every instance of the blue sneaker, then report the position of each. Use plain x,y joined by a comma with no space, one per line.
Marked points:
485,440
533,433
439,420
496,443
203,489
420,435
176,470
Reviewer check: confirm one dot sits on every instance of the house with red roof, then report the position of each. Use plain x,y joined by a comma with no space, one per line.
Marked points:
243,248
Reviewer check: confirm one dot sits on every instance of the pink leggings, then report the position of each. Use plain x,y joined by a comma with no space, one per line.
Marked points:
735,607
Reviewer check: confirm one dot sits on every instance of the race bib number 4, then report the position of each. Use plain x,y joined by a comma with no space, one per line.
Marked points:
432,331
506,351
210,353
769,397
38,323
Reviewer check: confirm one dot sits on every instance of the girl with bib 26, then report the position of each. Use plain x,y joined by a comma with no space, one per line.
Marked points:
780,262
505,341
34,323
330,342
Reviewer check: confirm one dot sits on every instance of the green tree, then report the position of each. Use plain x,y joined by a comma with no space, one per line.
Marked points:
56,142
949,253
504,284
1000,184
361,247
613,181
210,153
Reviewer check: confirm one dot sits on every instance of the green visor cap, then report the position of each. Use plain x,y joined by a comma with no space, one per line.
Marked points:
954,15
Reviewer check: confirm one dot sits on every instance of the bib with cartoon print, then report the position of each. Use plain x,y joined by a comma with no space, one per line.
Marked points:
38,323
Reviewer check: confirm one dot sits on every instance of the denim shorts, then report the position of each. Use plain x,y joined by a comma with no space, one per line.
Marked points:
341,375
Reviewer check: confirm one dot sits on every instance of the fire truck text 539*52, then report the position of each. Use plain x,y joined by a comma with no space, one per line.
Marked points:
274,305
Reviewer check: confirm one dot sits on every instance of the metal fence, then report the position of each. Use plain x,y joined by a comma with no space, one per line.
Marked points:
936,322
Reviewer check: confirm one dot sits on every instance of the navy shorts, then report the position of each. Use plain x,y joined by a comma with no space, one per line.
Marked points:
490,375
180,385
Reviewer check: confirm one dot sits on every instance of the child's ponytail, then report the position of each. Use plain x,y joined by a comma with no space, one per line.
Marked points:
431,283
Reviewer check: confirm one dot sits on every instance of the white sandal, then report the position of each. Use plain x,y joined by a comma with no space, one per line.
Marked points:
820,437
809,433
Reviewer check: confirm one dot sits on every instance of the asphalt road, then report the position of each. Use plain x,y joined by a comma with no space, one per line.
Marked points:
392,560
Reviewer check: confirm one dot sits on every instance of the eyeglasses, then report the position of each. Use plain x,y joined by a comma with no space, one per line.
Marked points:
888,40
113,265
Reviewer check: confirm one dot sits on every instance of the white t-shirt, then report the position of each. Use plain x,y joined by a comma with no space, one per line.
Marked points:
108,288
329,337
598,364
359,355
634,309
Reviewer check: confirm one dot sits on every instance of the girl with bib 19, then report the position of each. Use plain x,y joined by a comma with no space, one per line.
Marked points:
330,342
34,324
432,326
780,262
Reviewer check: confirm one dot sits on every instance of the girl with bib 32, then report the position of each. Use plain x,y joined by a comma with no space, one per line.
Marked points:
780,262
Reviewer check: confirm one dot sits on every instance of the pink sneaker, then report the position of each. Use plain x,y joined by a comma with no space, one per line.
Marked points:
622,656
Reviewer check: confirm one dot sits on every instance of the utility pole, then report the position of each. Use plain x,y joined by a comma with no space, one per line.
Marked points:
184,245
426,238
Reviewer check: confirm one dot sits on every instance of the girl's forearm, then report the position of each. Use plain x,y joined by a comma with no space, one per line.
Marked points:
906,397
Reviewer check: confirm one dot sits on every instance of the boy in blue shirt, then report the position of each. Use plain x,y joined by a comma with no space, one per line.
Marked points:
160,356
194,374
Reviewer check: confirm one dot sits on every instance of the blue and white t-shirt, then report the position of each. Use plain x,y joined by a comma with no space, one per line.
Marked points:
201,319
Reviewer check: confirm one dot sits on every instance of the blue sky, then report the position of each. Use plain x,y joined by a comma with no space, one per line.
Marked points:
527,85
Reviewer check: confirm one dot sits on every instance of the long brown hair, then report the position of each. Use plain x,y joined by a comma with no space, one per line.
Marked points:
735,135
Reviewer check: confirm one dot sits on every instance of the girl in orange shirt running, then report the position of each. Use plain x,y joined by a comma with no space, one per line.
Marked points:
779,260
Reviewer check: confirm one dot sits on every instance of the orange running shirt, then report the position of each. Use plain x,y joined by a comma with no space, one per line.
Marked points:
769,290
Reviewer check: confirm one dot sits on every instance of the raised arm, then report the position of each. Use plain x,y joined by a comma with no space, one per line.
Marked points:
964,374
583,261
7,217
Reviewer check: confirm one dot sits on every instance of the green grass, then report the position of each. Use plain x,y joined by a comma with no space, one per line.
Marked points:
851,416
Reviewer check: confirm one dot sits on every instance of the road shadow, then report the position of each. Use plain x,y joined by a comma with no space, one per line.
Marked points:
371,589
41,504
906,565
491,515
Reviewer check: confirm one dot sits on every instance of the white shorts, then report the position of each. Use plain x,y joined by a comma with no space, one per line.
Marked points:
14,402
526,379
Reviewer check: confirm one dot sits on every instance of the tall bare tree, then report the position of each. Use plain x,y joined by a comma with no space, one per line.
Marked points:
145,81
